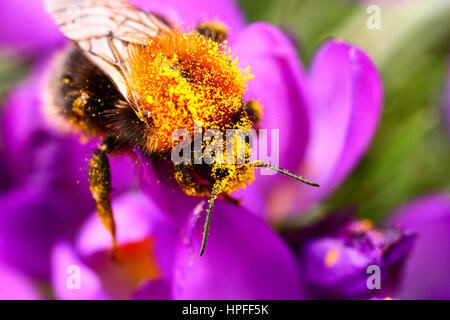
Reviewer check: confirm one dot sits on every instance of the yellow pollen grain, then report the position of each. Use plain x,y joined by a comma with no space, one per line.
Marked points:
331,257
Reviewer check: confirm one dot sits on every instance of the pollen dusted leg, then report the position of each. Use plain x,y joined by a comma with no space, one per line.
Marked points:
100,186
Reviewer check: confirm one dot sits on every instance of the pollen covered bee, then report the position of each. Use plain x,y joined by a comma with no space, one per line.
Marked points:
132,79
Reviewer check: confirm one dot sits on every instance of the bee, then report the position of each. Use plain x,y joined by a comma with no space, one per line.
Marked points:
132,79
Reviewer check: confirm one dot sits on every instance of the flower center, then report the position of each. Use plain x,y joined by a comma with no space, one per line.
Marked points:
183,78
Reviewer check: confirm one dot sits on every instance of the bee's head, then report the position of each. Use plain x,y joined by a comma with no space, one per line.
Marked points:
225,165
183,78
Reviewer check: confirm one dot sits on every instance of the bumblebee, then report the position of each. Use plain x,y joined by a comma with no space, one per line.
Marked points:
132,79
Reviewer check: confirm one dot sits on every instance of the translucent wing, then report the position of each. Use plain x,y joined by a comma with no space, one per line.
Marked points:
103,29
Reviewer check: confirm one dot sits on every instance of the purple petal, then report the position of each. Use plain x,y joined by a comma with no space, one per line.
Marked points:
67,270
31,220
346,103
347,95
15,286
427,274
345,278
244,259
158,183
27,27
252,198
22,117
191,13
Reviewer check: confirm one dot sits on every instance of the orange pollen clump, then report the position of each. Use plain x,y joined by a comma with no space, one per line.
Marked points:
182,78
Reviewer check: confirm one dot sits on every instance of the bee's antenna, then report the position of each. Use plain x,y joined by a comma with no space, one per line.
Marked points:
260,164
208,220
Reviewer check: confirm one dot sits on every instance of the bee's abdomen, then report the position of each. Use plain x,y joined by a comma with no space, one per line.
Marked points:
83,94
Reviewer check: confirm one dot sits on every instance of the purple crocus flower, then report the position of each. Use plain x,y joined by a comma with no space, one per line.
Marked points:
427,273
412,252
340,254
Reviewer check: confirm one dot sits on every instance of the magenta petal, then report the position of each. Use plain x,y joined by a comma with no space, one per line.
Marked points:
22,116
244,259
346,278
31,220
15,286
124,175
347,100
427,272
192,12
252,198
346,103
26,27
71,278
158,183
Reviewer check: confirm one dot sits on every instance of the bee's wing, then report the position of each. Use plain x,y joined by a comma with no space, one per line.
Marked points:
103,29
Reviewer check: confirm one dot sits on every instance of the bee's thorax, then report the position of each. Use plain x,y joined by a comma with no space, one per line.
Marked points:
183,78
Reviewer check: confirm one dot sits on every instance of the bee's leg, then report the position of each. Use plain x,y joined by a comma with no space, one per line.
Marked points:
100,186
215,31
